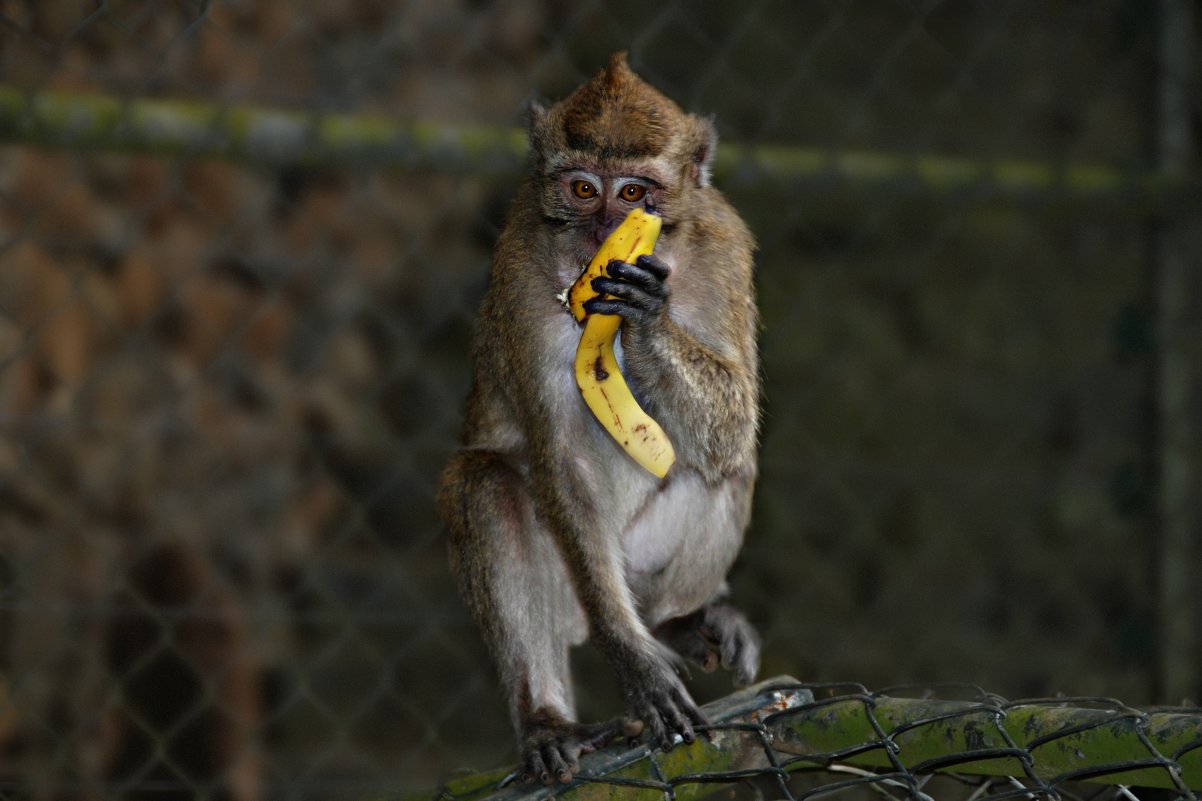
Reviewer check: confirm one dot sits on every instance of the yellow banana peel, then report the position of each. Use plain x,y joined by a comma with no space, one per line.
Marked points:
601,383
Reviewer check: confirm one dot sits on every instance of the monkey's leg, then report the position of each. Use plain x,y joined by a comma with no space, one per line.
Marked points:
515,583
715,634
645,668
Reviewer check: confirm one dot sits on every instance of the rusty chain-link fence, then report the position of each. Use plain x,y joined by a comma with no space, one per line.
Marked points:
241,244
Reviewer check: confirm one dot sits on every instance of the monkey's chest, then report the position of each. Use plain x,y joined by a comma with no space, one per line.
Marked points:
681,543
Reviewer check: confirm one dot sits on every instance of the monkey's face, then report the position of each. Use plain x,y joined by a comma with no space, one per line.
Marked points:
599,202
613,145
585,202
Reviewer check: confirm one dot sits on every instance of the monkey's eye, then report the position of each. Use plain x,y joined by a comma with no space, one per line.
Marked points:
585,190
632,193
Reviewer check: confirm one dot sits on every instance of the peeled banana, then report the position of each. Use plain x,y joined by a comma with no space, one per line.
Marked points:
601,383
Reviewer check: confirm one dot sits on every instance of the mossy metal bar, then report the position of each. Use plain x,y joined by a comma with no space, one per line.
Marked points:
260,135
1050,741
777,727
249,133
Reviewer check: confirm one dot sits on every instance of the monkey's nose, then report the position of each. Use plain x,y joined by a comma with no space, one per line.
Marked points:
602,231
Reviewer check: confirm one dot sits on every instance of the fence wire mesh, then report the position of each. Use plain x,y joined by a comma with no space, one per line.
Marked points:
797,741
229,377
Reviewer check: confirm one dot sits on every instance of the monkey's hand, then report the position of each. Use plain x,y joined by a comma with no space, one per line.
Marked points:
637,292
551,745
655,695
715,634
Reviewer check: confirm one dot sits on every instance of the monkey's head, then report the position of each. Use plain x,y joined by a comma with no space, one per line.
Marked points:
615,144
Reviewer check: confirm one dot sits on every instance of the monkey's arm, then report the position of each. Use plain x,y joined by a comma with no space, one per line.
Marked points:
706,398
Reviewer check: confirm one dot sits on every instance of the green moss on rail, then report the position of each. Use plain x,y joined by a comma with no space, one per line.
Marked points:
260,135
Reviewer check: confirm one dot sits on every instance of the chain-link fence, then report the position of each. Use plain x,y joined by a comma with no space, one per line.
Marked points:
796,741
241,245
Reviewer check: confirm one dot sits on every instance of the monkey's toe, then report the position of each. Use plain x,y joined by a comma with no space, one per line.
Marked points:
551,749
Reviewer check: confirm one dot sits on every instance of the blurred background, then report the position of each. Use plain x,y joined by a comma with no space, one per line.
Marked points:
232,363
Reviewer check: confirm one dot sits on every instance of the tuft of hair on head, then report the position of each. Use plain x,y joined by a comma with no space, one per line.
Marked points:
616,114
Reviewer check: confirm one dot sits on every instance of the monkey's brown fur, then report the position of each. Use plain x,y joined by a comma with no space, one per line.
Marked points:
556,535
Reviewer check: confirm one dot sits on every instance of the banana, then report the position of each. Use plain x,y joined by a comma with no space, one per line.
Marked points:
601,383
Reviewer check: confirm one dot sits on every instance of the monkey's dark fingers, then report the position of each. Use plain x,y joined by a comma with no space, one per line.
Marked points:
681,712
624,298
561,762
694,713
653,264
534,769
547,760
672,713
648,280
680,716
632,287
620,308
657,730
553,754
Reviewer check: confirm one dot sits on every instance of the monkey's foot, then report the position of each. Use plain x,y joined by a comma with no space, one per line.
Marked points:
715,634
551,745
656,696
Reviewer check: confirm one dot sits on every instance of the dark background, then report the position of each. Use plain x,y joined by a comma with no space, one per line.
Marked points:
227,386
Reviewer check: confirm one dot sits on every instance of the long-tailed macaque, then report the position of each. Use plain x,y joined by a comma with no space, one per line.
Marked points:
556,534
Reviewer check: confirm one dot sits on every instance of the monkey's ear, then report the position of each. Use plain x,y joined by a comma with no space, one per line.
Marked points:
536,117
536,111
703,146
536,127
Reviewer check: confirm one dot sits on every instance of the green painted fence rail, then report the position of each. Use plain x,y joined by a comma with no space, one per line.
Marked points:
888,739
265,136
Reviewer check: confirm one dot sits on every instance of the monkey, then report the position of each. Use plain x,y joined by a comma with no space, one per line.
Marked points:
556,536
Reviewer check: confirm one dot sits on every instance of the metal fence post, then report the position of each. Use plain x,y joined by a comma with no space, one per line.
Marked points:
1175,286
